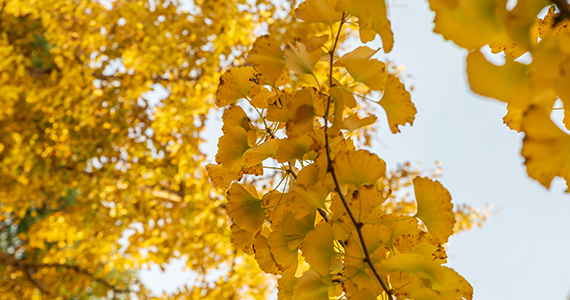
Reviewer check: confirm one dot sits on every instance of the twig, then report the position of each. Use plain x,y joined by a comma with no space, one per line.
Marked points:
330,169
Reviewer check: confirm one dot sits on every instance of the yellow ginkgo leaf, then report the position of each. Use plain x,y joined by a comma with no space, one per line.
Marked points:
546,148
263,256
469,24
364,294
259,100
425,293
413,263
234,85
318,248
375,236
397,103
258,154
315,42
353,122
304,106
286,239
370,72
235,116
267,58
454,286
242,239
322,11
220,176
513,118
563,90
300,60
372,15
311,286
358,167
307,199
231,147
363,52
277,206
519,20
434,208
278,110
286,285
508,83
245,209
510,49
289,150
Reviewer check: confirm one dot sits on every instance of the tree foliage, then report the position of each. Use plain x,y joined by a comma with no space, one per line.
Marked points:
97,181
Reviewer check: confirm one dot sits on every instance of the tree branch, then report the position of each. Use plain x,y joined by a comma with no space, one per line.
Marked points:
330,169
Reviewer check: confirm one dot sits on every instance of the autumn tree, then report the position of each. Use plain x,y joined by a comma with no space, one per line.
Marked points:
86,156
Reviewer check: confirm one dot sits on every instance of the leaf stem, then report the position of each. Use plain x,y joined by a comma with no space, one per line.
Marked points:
330,169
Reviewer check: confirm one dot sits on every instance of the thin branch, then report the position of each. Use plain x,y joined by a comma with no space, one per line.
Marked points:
330,169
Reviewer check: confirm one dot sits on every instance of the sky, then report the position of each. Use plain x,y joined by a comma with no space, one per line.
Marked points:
522,251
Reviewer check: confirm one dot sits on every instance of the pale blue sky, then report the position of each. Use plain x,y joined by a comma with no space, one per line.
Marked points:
523,251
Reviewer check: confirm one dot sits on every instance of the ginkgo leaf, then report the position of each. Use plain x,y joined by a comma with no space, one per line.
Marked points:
245,209
546,148
235,116
305,105
322,11
300,60
311,286
278,110
364,294
469,24
234,85
521,18
242,239
397,103
277,206
231,147
369,198
454,286
267,58
289,150
263,256
259,100
370,72
286,239
363,52
315,42
307,199
343,96
258,154
286,285
220,176
434,208
513,118
413,263
510,49
563,90
424,293
358,167
318,248
372,15
353,122
375,236
508,83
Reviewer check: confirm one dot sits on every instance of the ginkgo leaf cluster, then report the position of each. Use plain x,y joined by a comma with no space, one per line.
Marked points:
313,208
538,29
